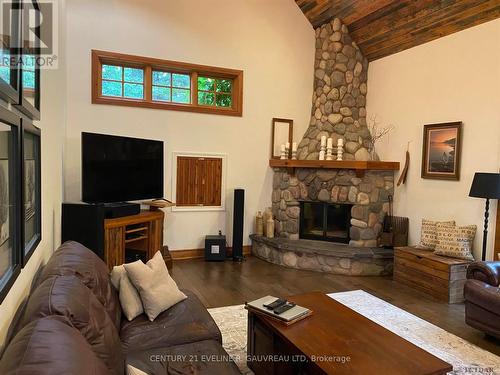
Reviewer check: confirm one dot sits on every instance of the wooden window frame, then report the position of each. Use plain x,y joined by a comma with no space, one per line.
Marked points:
222,207
149,64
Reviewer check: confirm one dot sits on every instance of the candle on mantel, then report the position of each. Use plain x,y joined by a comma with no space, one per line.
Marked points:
340,142
287,146
330,143
283,148
323,140
294,146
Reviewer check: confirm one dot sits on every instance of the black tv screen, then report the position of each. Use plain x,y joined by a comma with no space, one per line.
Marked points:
119,169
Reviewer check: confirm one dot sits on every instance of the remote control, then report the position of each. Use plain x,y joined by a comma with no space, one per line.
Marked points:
281,309
277,303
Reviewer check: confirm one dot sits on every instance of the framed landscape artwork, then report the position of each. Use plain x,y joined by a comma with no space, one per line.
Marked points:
441,151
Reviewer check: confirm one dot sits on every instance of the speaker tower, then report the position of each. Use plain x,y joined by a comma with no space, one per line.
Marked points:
238,214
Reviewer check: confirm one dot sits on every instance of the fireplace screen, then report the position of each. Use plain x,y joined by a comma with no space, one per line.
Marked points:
325,221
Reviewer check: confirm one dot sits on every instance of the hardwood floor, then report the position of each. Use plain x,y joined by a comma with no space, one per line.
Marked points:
228,283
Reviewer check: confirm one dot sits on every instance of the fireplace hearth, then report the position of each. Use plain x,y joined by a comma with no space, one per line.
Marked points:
325,221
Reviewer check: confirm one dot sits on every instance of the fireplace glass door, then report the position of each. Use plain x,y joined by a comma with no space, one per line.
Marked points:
325,221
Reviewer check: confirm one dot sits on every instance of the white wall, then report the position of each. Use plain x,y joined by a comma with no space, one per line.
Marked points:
271,41
455,78
52,139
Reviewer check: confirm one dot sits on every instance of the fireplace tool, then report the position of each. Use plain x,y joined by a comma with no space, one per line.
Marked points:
395,229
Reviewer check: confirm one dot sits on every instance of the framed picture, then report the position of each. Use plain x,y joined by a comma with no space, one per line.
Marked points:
10,42
10,201
441,151
31,189
282,132
29,75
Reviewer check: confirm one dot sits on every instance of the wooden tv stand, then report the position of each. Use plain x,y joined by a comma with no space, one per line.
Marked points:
141,233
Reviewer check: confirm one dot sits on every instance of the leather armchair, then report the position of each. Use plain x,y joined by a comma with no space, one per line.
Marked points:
482,297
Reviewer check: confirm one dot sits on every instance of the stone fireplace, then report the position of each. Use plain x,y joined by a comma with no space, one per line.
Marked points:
341,203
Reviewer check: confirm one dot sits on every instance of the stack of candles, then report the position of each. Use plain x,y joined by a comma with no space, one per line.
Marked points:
285,150
340,149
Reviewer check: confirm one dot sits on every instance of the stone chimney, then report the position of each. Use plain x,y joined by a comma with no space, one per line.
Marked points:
339,97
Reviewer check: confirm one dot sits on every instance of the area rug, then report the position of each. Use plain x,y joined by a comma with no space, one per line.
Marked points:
465,357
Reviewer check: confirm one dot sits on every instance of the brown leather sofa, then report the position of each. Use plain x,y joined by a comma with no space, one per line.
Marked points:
72,324
482,297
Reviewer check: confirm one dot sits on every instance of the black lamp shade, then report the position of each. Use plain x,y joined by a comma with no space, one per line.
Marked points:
486,185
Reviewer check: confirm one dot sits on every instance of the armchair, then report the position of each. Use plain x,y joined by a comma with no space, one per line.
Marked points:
482,297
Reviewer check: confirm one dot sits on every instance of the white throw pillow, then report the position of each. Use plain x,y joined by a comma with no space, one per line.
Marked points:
129,297
157,289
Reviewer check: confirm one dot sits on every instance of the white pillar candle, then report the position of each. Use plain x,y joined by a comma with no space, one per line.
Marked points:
294,146
330,143
287,145
340,142
323,140
283,148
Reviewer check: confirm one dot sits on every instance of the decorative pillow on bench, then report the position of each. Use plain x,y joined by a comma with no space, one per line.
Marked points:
129,296
157,289
455,241
428,236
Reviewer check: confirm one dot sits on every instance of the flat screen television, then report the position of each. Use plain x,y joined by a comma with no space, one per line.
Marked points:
120,169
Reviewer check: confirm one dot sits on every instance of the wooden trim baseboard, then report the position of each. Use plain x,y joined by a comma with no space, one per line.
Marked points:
200,253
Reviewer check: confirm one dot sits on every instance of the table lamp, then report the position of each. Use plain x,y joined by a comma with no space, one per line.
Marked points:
485,185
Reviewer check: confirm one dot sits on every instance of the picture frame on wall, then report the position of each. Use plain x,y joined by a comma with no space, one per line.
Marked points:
442,149
10,201
10,42
31,189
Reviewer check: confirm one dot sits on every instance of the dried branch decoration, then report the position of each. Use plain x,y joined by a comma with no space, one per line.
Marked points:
377,133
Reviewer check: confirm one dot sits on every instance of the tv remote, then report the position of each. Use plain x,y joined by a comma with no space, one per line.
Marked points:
281,309
277,303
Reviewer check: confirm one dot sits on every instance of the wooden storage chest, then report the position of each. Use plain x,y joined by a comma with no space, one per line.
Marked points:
441,277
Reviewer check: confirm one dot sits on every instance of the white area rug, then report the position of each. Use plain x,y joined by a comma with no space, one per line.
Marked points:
465,357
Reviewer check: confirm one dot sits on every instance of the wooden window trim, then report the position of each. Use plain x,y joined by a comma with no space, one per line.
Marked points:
185,208
149,64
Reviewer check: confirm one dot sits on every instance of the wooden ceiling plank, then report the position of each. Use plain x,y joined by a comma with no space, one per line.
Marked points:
355,10
402,19
321,6
398,28
379,14
453,23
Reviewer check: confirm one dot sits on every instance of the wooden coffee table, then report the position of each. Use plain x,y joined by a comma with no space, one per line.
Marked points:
334,340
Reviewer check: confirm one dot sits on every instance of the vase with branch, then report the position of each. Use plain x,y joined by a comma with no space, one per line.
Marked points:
377,132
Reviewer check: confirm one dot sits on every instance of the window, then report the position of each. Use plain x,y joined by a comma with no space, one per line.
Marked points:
199,181
29,74
137,81
123,82
215,92
171,87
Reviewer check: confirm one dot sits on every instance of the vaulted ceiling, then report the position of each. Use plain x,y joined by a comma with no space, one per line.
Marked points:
383,27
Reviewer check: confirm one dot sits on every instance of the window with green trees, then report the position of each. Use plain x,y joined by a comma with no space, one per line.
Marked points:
119,79
215,91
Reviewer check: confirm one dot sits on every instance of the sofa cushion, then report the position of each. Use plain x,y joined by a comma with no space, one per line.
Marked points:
67,296
185,322
158,290
50,346
73,258
183,359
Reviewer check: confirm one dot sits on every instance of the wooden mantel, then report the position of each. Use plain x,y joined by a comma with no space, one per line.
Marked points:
359,166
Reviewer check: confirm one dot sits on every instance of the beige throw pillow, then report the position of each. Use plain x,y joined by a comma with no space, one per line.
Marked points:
129,296
428,235
455,241
157,289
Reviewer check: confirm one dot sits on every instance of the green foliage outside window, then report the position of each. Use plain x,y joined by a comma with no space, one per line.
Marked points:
215,92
